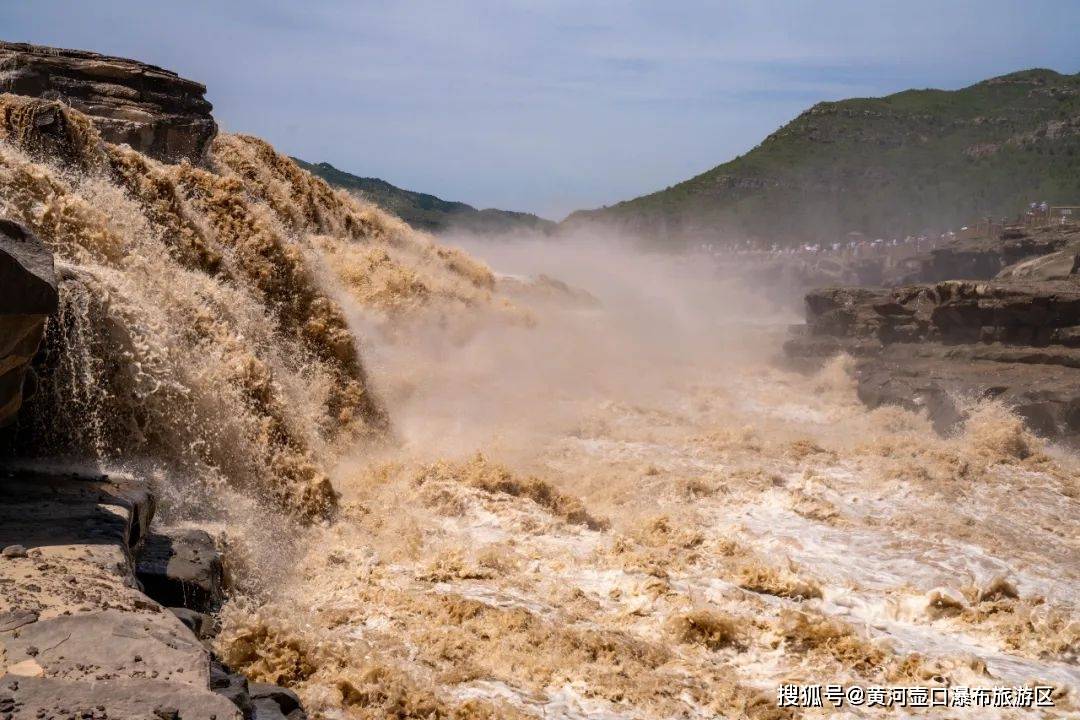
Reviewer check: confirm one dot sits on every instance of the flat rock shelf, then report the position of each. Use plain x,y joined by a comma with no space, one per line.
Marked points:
77,636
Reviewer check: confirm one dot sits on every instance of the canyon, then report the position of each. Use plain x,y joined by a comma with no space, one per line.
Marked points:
269,451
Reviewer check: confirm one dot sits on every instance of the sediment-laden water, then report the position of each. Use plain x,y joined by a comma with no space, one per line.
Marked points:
577,484
676,537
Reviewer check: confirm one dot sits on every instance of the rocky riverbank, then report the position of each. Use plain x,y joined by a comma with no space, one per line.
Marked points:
77,636
1022,253
939,346
102,614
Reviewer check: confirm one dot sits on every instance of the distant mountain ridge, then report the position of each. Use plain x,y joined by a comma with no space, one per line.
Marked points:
890,166
428,212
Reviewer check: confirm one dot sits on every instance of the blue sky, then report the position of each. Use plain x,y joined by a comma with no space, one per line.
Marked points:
547,106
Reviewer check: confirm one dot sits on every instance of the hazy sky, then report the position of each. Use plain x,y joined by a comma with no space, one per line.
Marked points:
547,106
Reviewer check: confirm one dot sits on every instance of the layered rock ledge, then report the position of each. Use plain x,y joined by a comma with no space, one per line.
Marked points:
1036,253
153,110
938,346
77,635
85,630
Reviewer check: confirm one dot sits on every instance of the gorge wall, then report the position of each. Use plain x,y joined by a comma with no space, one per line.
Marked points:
942,347
192,340
153,110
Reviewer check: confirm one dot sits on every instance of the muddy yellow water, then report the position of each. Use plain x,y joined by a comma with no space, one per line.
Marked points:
630,510
553,478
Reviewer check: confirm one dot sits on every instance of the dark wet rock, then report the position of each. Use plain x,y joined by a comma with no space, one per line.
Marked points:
28,295
27,275
257,701
182,568
272,702
200,624
154,110
266,709
233,686
944,381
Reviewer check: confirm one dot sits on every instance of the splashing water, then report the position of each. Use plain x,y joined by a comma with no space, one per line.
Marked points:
194,337
576,488
623,509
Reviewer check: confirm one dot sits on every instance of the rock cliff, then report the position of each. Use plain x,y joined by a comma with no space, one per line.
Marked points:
153,110
27,296
938,346
987,258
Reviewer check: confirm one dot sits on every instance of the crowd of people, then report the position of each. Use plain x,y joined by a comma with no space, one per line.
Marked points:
857,246
1043,214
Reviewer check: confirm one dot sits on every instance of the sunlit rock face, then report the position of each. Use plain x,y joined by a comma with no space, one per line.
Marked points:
153,110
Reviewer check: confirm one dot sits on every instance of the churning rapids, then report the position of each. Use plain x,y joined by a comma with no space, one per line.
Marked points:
574,485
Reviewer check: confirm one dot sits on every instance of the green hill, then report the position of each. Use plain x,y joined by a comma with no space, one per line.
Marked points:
913,161
428,212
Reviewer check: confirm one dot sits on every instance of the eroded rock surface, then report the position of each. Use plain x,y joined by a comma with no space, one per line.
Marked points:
182,568
76,634
271,702
937,346
117,699
152,109
987,258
